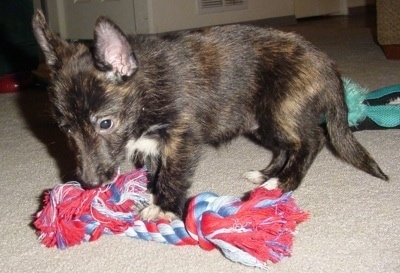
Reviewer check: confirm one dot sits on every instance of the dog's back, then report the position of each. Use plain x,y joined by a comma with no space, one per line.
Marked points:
226,76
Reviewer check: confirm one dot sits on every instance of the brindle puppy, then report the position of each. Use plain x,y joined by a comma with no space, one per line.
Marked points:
158,99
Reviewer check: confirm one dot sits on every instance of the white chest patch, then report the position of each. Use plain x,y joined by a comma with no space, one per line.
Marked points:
147,146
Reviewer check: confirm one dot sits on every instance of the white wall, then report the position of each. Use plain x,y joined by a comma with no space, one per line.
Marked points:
182,14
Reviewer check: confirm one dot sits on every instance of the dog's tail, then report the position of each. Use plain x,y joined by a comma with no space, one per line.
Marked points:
344,142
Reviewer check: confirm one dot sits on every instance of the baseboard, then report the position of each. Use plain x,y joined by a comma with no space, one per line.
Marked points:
277,21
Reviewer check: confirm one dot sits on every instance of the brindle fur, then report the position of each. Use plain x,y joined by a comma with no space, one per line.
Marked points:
183,90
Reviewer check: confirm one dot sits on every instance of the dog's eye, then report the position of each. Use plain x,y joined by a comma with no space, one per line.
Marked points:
65,128
106,124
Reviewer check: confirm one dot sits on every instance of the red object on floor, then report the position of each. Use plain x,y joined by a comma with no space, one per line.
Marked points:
254,231
11,83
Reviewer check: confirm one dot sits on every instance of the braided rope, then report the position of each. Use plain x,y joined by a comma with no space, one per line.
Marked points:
72,215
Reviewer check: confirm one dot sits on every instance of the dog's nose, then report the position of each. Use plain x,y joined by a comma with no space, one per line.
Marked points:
89,179
92,179
91,185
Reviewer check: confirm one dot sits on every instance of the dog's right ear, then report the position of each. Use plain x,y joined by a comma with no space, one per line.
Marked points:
112,50
51,44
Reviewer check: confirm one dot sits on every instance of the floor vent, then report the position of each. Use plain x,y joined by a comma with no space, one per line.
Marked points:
213,6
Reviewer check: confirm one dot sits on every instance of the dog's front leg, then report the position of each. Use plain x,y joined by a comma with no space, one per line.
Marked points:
171,181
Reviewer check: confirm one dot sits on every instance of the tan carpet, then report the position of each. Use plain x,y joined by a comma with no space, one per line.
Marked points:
355,219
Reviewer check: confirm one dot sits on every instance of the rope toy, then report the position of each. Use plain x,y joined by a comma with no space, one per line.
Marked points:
252,232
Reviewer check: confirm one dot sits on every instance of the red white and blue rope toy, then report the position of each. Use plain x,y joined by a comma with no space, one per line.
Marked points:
253,232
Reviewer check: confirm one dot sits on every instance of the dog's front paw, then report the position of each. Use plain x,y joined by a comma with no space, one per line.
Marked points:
154,212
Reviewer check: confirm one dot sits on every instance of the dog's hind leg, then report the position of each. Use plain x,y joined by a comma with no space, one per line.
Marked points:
292,157
277,163
301,156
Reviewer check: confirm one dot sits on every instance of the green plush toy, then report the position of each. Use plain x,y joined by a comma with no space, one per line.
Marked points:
379,109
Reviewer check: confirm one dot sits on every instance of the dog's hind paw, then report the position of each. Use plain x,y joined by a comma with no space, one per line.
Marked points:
271,184
255,177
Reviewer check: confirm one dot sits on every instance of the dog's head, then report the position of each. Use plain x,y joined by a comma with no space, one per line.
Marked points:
86,91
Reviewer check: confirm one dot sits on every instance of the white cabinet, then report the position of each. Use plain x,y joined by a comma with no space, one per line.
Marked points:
308,8
76,18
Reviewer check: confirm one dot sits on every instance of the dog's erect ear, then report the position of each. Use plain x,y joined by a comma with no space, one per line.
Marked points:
50,43
112,50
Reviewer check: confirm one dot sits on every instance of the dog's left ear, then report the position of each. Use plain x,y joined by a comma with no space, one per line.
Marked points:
112,51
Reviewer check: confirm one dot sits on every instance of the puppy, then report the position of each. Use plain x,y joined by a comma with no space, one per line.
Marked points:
157,99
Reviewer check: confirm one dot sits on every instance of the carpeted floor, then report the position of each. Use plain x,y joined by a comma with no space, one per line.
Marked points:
355,218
